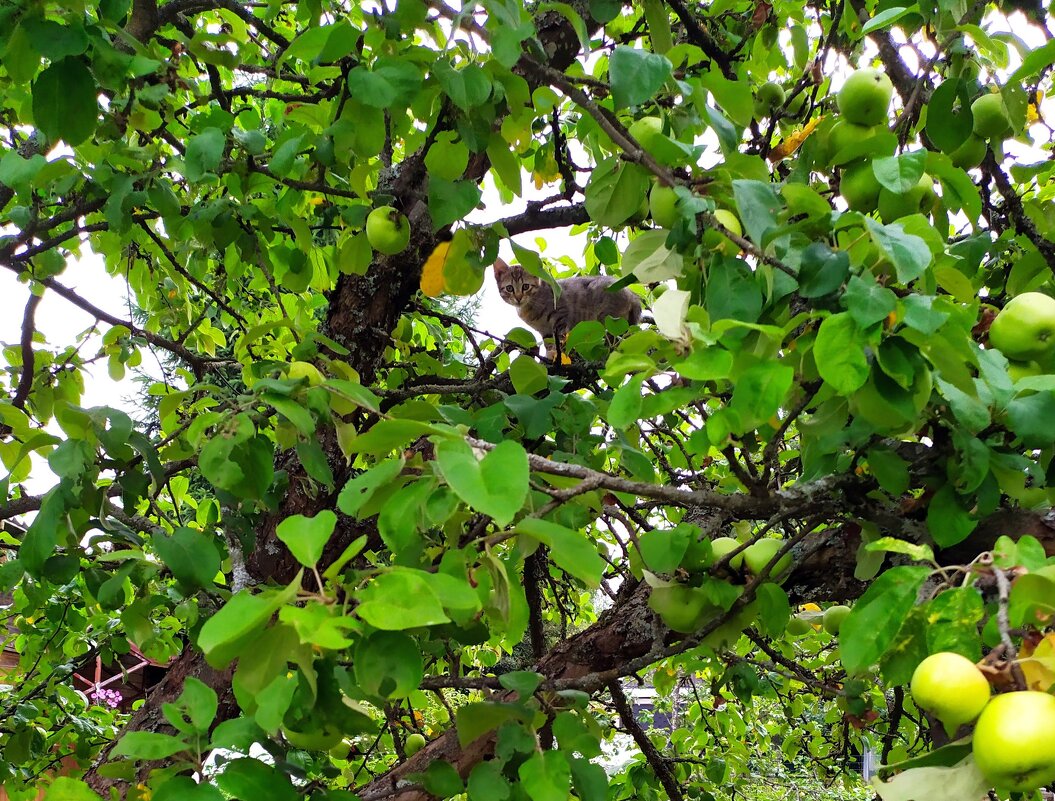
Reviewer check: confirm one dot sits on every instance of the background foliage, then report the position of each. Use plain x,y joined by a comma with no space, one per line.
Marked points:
349,517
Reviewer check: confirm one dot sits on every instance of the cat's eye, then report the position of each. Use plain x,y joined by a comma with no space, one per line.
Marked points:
509,287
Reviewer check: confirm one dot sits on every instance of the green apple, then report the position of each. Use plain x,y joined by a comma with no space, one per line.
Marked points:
698,556
798,627
641,213
865,97
300,370
322,740
860,187
387,231
647,132
1025,327
950,687
769,96
991,120
718,242
729,632
662,201
682,608
1013,743
1016,371
844,133
893,206
415,743
761,553
722,546
833,617
970,154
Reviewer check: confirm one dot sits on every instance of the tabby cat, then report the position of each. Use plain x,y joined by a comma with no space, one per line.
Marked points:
584,297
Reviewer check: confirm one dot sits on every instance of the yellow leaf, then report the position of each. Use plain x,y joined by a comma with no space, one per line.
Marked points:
794,142
432,273
1038,664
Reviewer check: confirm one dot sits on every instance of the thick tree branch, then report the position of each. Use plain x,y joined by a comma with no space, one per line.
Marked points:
1017,213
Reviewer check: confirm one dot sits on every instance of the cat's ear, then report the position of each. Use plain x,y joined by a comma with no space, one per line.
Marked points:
500,268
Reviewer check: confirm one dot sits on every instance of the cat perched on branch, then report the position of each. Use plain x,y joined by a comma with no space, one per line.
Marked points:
582,298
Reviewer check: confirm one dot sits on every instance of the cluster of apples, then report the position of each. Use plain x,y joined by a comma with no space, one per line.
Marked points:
864,102
831,620
1024,331
990,122
686,608
1014,736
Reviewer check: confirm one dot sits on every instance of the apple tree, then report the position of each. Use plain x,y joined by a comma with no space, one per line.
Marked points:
390,555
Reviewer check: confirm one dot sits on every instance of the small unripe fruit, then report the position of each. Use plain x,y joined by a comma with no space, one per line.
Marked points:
865,97
415,743
991,119
387,231
662,201
720,546
832,620
860,187
970,154
646,131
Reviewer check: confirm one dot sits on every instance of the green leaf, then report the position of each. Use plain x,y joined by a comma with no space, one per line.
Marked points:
1030,418
948,521
758,205
191,556
442,780
615,193
900,173
839,353
387,435
486,782
468,88
626,404
887,17
148,745
822,270
306,537
475,720
451,200
360,489
496,485
1038,58
200,702
872,626
64,101
648,258
252,780
391,82
528,376
184,788
949,117
636,75
546,776
66,789
237,620
760,392
388,664
918,553
572,551
204,152
908,253
523,682
399,599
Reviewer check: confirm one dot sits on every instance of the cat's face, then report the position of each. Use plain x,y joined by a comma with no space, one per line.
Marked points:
515,285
